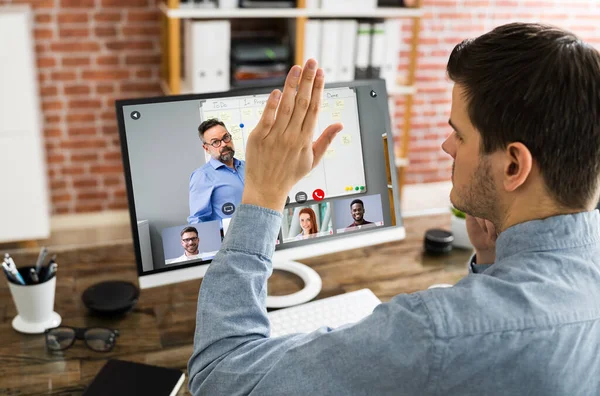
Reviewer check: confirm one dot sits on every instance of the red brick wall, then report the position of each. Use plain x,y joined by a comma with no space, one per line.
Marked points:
446,23
91,52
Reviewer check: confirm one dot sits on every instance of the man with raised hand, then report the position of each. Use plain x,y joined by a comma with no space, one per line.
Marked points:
526,150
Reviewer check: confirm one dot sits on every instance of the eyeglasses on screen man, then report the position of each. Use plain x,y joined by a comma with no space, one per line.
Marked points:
216,143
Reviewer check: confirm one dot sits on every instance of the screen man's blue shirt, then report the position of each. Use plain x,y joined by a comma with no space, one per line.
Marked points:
527,325
211,186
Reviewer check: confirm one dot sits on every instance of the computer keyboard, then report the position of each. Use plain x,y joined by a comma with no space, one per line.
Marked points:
331,312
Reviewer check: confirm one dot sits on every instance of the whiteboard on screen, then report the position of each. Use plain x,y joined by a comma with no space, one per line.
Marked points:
24,206
343,159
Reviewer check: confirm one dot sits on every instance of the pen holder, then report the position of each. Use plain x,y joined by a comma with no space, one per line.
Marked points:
34,303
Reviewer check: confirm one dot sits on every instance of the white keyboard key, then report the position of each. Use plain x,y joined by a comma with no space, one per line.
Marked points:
331,312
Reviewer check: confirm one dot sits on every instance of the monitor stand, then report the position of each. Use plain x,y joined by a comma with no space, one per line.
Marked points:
312,284
284,259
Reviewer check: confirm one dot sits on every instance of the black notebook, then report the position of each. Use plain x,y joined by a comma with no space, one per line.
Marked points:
118,377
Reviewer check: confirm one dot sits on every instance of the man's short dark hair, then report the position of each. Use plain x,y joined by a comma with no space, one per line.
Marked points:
189,229
206,125
538,85
357,201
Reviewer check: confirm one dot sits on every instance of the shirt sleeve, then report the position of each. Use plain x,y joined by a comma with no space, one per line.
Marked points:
389,352
201,188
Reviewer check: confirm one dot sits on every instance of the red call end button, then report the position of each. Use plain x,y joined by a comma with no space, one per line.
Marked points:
318,194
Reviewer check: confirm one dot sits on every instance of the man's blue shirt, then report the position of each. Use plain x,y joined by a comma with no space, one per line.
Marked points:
213,185
527,325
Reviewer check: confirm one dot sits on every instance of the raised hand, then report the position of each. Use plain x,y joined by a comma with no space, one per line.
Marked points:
280,150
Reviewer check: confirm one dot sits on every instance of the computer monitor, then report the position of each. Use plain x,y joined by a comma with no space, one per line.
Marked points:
179,222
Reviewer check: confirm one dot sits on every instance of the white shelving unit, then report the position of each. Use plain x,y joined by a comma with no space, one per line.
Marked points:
215,13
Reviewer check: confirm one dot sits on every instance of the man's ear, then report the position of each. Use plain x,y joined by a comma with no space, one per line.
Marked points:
517,167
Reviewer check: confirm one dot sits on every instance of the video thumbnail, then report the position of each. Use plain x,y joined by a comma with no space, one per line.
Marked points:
184,243
358,212
304,222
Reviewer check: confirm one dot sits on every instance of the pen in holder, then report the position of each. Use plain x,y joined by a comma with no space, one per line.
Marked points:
34,300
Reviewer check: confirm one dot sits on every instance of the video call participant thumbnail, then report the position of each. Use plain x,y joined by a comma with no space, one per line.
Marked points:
216,188
358,213
307,222
200,242
357,208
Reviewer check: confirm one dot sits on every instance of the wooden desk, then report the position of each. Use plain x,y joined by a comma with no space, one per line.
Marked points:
160,329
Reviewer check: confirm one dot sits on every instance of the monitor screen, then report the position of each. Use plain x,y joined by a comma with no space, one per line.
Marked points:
183,189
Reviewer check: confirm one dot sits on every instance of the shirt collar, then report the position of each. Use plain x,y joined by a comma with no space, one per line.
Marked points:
216,164
556,232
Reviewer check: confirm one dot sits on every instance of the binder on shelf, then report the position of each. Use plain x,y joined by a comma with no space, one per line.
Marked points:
377,49
363,51
207,48
347,51
330,42
312,40
312,4
393,36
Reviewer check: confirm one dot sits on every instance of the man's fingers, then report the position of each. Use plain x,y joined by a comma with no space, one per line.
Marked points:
491,230
303,96
310,120
481,223
286,105
320,146
268,116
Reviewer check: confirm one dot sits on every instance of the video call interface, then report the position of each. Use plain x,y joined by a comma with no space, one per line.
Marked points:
202,180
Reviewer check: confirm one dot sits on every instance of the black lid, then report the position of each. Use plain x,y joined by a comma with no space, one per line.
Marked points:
438,241
111,297
439,236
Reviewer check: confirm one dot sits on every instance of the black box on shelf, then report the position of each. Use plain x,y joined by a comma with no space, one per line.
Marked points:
259,62
267,3
393,3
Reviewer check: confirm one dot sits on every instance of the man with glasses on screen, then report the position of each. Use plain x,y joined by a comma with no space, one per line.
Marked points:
216,187
190,242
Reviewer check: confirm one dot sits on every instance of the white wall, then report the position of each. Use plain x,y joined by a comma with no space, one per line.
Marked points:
24,201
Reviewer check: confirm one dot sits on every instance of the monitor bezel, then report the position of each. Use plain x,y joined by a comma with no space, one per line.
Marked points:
378,86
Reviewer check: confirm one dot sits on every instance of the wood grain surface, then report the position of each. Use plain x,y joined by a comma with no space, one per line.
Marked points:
160,328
